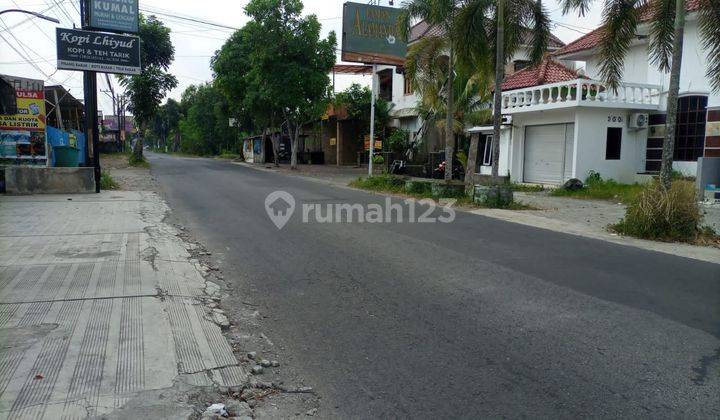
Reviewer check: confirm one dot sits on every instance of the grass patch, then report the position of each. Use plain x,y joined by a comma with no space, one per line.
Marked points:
665,214
138,163
527,187
397,185
107,182
228,155
602,189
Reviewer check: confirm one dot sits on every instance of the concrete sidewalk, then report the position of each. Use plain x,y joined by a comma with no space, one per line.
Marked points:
103,312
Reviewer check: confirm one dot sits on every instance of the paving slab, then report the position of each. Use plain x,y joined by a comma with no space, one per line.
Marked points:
101,307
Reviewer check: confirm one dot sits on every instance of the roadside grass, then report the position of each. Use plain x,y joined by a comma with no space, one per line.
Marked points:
396,185
671,215
138,163
107,182
228,155
527,187
602,189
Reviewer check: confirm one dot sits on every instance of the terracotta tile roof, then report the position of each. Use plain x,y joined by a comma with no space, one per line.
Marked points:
422,29
592,39
549,71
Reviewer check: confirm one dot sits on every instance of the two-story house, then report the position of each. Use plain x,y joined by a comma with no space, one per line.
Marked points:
394,87
565,124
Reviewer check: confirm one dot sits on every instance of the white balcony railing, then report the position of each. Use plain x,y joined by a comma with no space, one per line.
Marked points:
581,92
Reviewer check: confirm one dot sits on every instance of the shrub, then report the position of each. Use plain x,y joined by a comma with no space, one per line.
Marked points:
107,182
378,159
661,213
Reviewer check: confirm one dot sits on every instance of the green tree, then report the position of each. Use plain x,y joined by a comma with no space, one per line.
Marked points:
289,63
204,125
428,73
496,28
667,26
146,90
166,122
356,102
439,13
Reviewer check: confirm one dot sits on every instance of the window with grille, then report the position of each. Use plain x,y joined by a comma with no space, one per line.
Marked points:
690,128
407,89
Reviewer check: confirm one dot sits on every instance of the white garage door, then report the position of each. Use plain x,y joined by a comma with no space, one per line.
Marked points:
547,150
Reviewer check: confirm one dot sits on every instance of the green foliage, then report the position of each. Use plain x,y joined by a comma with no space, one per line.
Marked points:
661,213
398,142
147,89
384,183
356,102
139,162
526,187
107,182
378,159
602,189
204,128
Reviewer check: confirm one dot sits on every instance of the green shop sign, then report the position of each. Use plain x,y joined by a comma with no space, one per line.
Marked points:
370,35
113,15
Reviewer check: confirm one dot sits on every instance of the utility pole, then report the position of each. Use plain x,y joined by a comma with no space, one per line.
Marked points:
372,120
92,133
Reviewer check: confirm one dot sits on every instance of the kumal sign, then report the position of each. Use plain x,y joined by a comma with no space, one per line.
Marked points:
114,15
370,35
96,51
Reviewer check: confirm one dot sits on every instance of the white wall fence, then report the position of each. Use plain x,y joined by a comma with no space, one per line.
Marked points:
581,92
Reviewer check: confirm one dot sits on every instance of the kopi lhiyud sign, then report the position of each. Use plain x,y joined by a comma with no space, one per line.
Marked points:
96,51
370,35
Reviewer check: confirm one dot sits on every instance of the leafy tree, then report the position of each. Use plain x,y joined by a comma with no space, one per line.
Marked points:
667,25
289,63
428,73
166,121
147,89
356,101
496,28
439,13
204,125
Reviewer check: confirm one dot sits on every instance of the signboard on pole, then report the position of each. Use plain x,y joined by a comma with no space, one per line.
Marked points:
114,15
370,35
95,51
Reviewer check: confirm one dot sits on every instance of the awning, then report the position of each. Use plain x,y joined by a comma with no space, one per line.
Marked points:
404,113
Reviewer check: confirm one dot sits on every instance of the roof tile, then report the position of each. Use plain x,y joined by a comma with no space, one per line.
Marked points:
549,71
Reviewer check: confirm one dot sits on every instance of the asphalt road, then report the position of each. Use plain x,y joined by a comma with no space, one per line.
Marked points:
474,318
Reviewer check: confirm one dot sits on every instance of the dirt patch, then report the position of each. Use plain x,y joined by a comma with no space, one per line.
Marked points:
128,178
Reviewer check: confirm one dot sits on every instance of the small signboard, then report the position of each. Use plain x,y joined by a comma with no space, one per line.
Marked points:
370,35
95,51
114,15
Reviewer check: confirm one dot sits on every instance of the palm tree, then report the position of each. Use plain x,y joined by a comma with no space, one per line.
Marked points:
428,73
488,33
667,24
439,13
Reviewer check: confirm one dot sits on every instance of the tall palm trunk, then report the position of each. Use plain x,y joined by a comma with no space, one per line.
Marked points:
138,149
499,76
449,135
294,134
471,163
672,100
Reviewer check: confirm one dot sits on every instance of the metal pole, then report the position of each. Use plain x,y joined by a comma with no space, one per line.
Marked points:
372,121
91,118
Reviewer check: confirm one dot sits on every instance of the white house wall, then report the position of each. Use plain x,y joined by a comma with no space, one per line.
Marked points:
638,68
505,154
591,133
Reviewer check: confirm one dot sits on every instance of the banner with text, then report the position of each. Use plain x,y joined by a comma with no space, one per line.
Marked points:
22,136
114,15
370,35
95,51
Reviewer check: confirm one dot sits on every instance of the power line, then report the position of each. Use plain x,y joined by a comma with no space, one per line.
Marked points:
189,19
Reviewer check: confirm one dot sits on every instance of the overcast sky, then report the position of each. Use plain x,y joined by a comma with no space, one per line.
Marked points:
34,39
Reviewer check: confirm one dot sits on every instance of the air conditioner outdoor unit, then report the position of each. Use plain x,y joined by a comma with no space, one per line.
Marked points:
507,119
638,120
